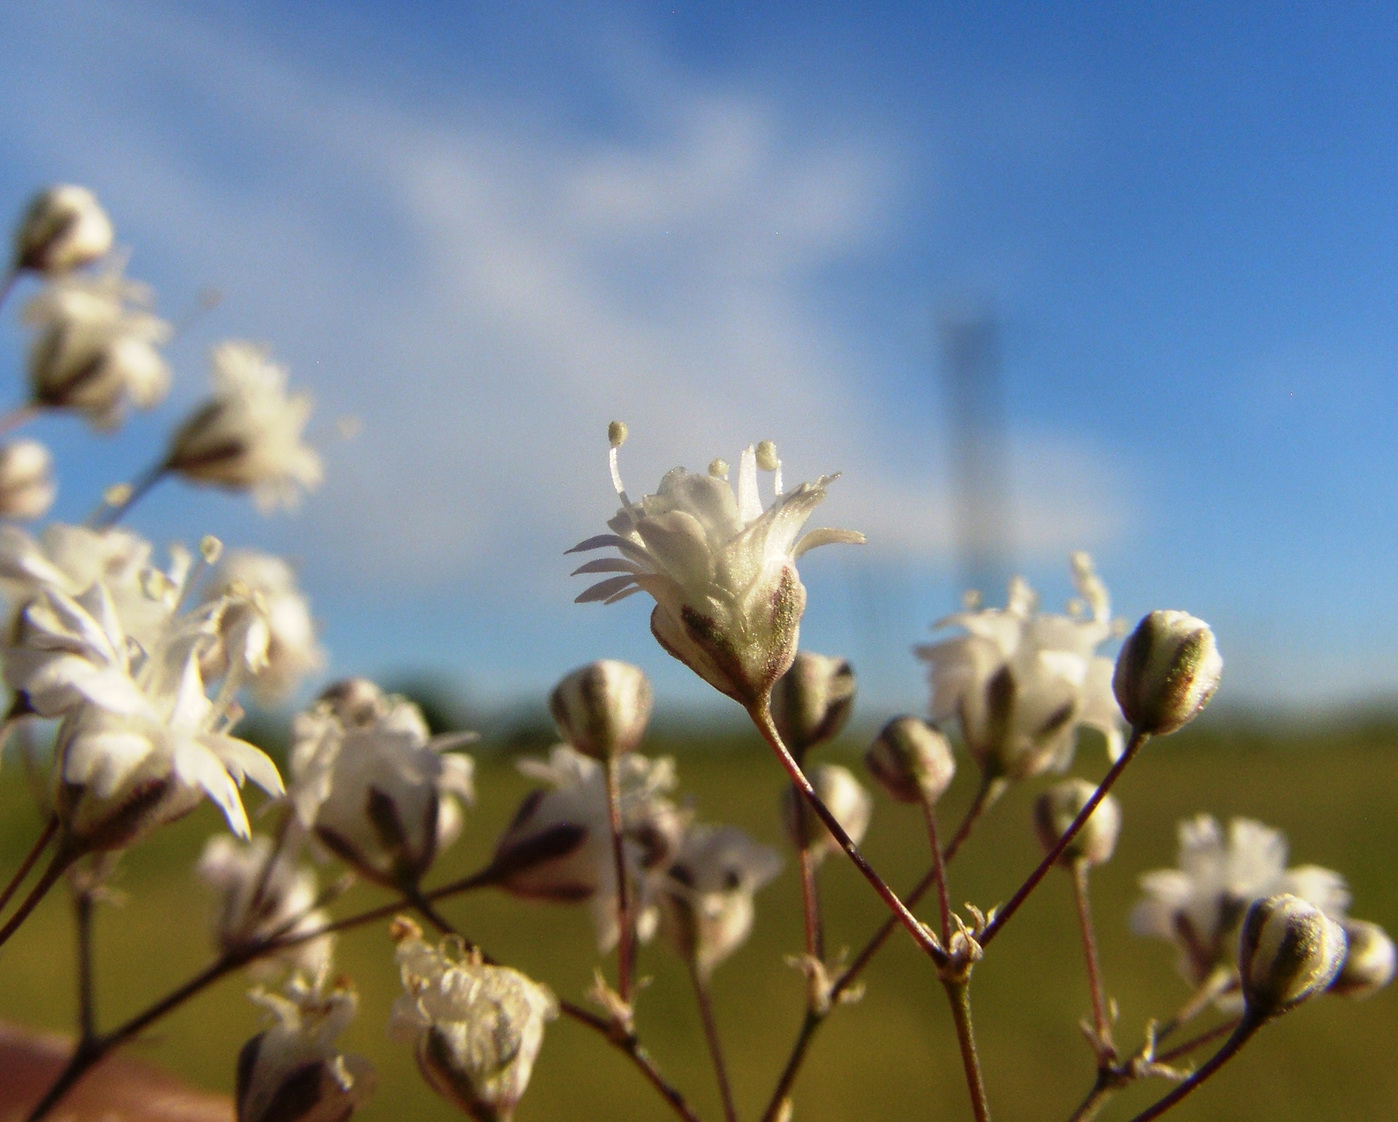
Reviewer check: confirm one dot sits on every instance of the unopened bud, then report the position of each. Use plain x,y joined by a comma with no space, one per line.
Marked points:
602,709
1058,808
911,761
64,227
812,701
1289,950
1167,671
27,488
1369,962
843,796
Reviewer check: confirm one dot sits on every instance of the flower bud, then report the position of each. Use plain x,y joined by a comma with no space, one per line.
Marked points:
1167,671
1059,806
601,709
812,701
1289,950
26,480
911,760
843,796
1369,962
64,227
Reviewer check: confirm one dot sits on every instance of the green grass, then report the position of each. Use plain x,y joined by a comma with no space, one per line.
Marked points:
893,1055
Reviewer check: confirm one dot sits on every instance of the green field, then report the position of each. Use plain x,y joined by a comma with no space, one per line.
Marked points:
893,1056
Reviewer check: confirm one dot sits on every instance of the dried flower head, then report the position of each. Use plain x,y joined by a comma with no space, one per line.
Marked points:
1020,682
476,1029
722,571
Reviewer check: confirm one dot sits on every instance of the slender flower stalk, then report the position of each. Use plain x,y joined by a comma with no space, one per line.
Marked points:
626,923
959,994
1002,915
762,718
36,851
1101,1022
706,1014
1244,1032
939,870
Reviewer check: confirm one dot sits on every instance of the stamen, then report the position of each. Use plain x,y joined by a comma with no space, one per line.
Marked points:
767,460
617,432
718,468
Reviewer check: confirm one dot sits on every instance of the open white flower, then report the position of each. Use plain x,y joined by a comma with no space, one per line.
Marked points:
1020,682
376,788
64,228
293,1072
270,584
722,570
255,901
559,847
476,1029
96,348
706,896
248,436
1200,906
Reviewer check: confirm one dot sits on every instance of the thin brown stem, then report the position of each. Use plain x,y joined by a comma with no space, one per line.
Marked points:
1241,1035
810,896
58,865
1003,915
782,1090
625,925
82,925
17,417
939,870
706,1014
959,995
109,514
1102,1090
7,282
1181,1050
40,844
761,714
1101,1022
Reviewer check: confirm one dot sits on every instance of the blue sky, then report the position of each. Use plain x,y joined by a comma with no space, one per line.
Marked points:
486,232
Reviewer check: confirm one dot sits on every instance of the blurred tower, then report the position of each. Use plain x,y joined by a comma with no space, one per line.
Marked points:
970,353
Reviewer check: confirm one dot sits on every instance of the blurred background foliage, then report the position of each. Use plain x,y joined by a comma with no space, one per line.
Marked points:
1331,788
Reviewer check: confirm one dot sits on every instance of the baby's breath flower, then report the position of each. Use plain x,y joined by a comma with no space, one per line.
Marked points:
706,896
602,708
812,701
95,351
64,228
911,760
248,436
722,571
1057,808
1020,682
292,1072
476,1029
1289,951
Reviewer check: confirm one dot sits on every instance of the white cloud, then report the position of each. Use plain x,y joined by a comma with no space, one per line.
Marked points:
489,294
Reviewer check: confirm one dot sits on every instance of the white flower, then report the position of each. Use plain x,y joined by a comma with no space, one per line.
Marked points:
559,845
27,488
843,795
706,896
292,1072
1200,906
1020,682
256,901
475,1029
64,228
380,792
96,348
248,436
292,652
728,598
